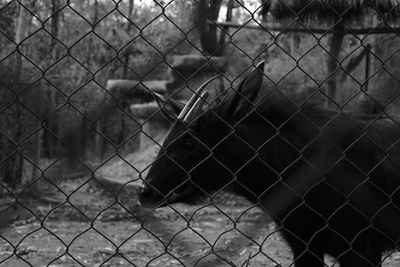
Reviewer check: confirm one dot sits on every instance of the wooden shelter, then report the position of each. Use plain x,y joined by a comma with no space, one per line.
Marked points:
330,10
339,16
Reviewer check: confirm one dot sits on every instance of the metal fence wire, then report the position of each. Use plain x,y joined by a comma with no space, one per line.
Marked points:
199,133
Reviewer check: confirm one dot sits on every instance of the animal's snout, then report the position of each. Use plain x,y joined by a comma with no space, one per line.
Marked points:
149,197
145,192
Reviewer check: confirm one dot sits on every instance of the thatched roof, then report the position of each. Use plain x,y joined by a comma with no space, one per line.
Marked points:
330,9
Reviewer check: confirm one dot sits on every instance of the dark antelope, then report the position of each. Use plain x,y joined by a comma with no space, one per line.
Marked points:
331,187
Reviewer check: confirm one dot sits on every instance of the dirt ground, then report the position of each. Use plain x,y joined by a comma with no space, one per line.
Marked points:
93,229
91,226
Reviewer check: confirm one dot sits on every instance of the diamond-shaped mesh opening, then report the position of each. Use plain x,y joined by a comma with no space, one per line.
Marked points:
199,133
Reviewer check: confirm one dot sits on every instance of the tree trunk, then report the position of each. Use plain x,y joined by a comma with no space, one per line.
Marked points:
332,65
128,31
53,122
294,41
100,140
90,42
225,29
54,26
99,123
209,10
37,151
23,24
13,172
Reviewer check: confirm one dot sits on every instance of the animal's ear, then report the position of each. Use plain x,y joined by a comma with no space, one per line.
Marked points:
170,108
246,95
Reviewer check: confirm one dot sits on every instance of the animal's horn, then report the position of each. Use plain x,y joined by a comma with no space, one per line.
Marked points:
197,107
160,99
195,97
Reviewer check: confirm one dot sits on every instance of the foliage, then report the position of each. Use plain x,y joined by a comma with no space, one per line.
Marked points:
99,40
21,104
67,53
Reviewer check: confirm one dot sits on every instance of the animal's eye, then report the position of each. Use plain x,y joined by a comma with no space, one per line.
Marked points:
188,143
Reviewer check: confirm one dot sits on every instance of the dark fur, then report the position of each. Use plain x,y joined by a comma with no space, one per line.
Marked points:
248,142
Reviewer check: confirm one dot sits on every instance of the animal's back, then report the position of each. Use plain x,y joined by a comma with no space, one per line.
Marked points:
326,222
384,136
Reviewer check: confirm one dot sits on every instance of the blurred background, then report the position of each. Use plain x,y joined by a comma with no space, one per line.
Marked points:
77,77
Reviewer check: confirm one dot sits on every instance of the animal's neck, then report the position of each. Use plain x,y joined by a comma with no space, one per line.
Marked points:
256,156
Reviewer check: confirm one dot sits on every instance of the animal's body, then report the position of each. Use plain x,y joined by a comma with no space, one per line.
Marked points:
250,143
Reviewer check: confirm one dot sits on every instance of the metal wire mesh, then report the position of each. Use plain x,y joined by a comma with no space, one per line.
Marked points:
80,131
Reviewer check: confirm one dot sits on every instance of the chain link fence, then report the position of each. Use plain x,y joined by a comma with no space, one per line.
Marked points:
290,158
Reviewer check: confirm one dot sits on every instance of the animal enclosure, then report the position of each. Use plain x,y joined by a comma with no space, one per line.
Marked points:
199,133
